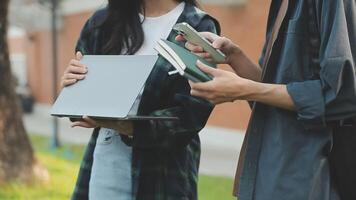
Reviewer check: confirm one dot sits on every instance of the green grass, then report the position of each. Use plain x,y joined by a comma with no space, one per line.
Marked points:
63,166
215,188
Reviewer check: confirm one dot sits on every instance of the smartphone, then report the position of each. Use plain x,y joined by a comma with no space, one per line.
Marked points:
191,35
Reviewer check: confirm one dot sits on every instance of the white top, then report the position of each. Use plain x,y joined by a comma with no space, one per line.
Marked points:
156,28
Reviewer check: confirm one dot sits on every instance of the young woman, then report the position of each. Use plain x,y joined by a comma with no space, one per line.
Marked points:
145,159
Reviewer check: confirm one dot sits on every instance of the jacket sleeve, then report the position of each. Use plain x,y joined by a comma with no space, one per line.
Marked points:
193,113
333,96
83,43
88,39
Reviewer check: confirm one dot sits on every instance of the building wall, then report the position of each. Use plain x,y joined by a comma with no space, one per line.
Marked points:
39,51
18,56
245,25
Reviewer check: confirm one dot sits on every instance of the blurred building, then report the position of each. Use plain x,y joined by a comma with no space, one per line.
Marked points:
244,21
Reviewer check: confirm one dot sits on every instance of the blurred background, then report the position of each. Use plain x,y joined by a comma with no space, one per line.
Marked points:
41,45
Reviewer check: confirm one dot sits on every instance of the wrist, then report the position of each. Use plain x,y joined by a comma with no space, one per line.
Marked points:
233,55
244,89
256,91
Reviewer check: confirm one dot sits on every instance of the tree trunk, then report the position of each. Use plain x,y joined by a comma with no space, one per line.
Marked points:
17,160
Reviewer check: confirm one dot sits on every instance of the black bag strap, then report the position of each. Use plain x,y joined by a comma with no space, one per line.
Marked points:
314,38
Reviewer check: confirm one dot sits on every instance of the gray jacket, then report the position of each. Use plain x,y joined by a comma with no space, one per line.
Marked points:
285,155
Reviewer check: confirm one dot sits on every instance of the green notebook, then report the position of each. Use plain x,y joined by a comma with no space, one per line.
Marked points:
183,61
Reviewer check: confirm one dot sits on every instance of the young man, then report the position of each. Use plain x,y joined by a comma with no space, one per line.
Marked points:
306,86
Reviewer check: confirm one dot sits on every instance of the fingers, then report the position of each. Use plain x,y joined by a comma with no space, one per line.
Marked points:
199,93
78,56
85,122
76,63
70,79
204,55
221,42
66,83
209,70
82,124
76,70
190,46
209,36
217,42
194,48
202,87
70,76
180,38
90,121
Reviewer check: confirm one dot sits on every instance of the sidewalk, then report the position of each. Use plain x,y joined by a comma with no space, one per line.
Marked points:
220,146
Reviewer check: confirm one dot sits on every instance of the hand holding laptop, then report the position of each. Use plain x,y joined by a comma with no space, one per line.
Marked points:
75,71
122,127
105,87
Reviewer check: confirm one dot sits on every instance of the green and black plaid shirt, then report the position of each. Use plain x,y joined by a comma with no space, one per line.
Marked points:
166,154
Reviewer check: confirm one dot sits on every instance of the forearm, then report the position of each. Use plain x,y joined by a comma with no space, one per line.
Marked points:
244,66
228,86
271,94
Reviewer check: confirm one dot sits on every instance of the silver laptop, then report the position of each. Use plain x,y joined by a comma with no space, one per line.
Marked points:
109,90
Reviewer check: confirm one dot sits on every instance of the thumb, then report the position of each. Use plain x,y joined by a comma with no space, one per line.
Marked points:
78,55
220,43
207,69
209,36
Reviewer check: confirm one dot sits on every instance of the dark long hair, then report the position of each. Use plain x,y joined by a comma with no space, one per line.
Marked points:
122,27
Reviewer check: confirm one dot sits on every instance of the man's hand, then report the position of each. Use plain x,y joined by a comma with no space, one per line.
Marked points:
225,87
235,57
122,127
222,43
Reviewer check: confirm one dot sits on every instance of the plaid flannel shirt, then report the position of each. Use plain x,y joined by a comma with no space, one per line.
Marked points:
166,154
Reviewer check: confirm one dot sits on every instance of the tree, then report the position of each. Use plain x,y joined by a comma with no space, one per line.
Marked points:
17,161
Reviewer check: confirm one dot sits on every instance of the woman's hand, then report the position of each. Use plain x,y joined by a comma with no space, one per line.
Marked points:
222,43
122,127
74,72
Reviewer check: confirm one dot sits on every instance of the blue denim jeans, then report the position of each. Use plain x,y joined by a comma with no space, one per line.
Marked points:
111,171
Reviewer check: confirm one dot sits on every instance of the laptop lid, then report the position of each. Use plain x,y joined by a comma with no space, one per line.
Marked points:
110,88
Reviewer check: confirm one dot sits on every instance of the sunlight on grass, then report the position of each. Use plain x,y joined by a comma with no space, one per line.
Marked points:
63,166
62,179
215,188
